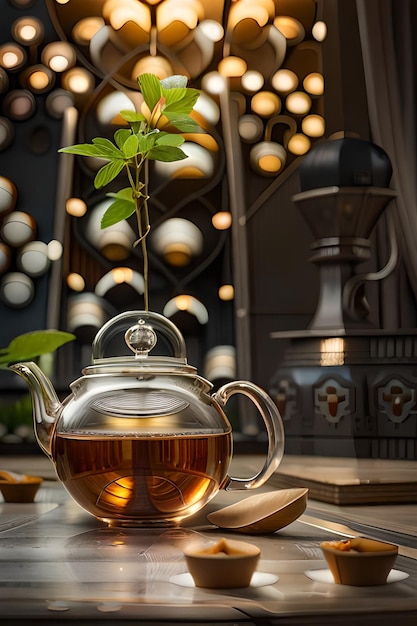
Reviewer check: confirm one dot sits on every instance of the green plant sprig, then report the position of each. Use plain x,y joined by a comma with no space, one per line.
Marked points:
154,134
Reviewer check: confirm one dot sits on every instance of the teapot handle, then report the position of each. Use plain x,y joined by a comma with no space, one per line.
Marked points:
274,427
123,320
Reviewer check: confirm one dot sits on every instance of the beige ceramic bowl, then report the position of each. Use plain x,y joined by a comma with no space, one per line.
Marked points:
23,490
224,565
359,561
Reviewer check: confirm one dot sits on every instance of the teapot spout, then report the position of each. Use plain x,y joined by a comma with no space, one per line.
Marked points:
45,403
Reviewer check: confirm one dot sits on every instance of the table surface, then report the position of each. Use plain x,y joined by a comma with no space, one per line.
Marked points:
58,565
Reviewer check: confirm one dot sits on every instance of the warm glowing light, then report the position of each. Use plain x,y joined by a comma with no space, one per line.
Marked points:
298,102
85,29
213,30
28,30
243,12
284,81
119,276
299,144
59,56
266,103
291,28
75,282
270,163
232,67
185,302
319,31
268,158
226,293
207,108
252,81
222,220
39,78
173,11
178,240
213,83
122,275
157,65
120,12
76,207
314,84
55,250
78,81
313,125
332,351
12,56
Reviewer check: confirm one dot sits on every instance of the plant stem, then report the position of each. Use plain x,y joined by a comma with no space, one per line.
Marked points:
142,215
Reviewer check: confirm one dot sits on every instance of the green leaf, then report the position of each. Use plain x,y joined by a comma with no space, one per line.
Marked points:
131,146
121,135
169,139
108,147
123,194
183,123
108,173
132,116
180,101
167,154
85,149
31,345
151,89
120,210
146,142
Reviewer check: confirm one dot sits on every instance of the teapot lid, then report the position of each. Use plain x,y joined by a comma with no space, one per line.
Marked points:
141,337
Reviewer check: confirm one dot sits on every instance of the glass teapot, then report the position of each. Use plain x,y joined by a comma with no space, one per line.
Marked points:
140,441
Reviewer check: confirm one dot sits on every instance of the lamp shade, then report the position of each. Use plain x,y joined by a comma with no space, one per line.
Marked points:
18,228
33,258
8,195
220,363
345,162
17,289
268,158
178,240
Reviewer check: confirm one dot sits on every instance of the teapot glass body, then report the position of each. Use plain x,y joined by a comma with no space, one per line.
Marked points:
141,440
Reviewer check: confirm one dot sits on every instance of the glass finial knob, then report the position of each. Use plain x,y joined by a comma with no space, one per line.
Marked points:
141,338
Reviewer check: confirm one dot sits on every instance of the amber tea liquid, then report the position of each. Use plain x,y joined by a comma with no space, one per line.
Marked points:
136,480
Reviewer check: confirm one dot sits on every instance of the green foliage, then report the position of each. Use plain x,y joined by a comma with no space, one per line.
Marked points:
28,346
169,103
154,134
